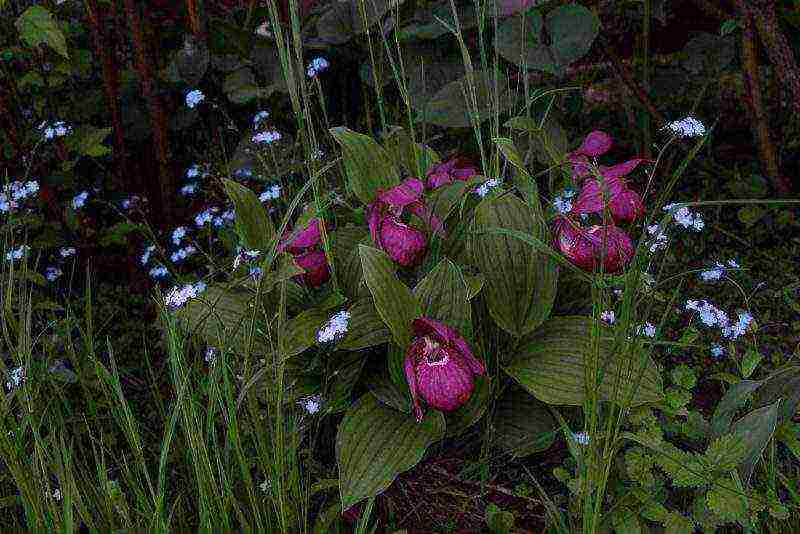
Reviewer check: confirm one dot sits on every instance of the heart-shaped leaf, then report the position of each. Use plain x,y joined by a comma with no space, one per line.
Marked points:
519,282
552,366
376,443
395,303
367,164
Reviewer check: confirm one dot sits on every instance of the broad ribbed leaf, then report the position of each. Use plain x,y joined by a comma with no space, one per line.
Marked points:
572,28
444,296
222,316
376,443
449,107
522,424
381,385
37,26
734,398
300,332
782,384
551,365
519,282
367,164
756,429
366,328
415,158
346,261
252,222
395,303
347,372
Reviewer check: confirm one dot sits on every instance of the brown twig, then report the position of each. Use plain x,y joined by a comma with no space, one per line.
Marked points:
755,104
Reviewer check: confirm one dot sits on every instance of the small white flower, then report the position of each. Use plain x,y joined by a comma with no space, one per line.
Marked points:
713,274
211,355
227,216
732,264
311,404
193,171
52,273
740,327
271,193
647,329
17,253
6,205
487,186
582,438
562,204
79,200
57,492
16,377
66,252
266,137
194,97
159,272
57,129
335,328
180,295
259,117
178,234
717,351
687,127
317,66
147,253
189,190
266,485
182,254
263,30
243,172
608,317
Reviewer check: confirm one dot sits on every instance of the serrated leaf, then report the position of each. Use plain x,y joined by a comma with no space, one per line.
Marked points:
523,425
395,303
366,328
551,365
443,295
724,454
38,26
366,163
726,503
376,443
252,222
755,429
519,282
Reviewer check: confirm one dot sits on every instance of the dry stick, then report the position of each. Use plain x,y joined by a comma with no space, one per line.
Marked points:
110,88
157,117
753,98
490,487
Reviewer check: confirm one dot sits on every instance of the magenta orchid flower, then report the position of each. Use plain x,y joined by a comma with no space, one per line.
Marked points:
304,247
440,367
624,204
450,171
589,248
404,244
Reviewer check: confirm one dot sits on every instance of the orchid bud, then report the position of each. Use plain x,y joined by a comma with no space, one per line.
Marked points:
587,247
315,265
440,367
405,244
596,144
624,204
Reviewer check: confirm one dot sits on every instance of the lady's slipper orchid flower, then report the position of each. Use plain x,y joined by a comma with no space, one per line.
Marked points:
624,204
405,244
440,367
588,248
451,171
304,247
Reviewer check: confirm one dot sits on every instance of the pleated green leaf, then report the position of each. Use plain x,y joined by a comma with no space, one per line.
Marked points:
522,424
519,282
366,328
444,296
367,164
552,366
252,222
395,303
347,262
375,443
300,332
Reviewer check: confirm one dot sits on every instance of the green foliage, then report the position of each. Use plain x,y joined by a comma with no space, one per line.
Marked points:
37,26
252,222
368,166
375,443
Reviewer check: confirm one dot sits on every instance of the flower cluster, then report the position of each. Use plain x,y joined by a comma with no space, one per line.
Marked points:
266,137
597,245
717,271
710,315
16,192
685,217
311,404
404,244
686,127
194,97
180,295
16,254
270,193
305,248
57,129
335,328
80,200
316,66
16,377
